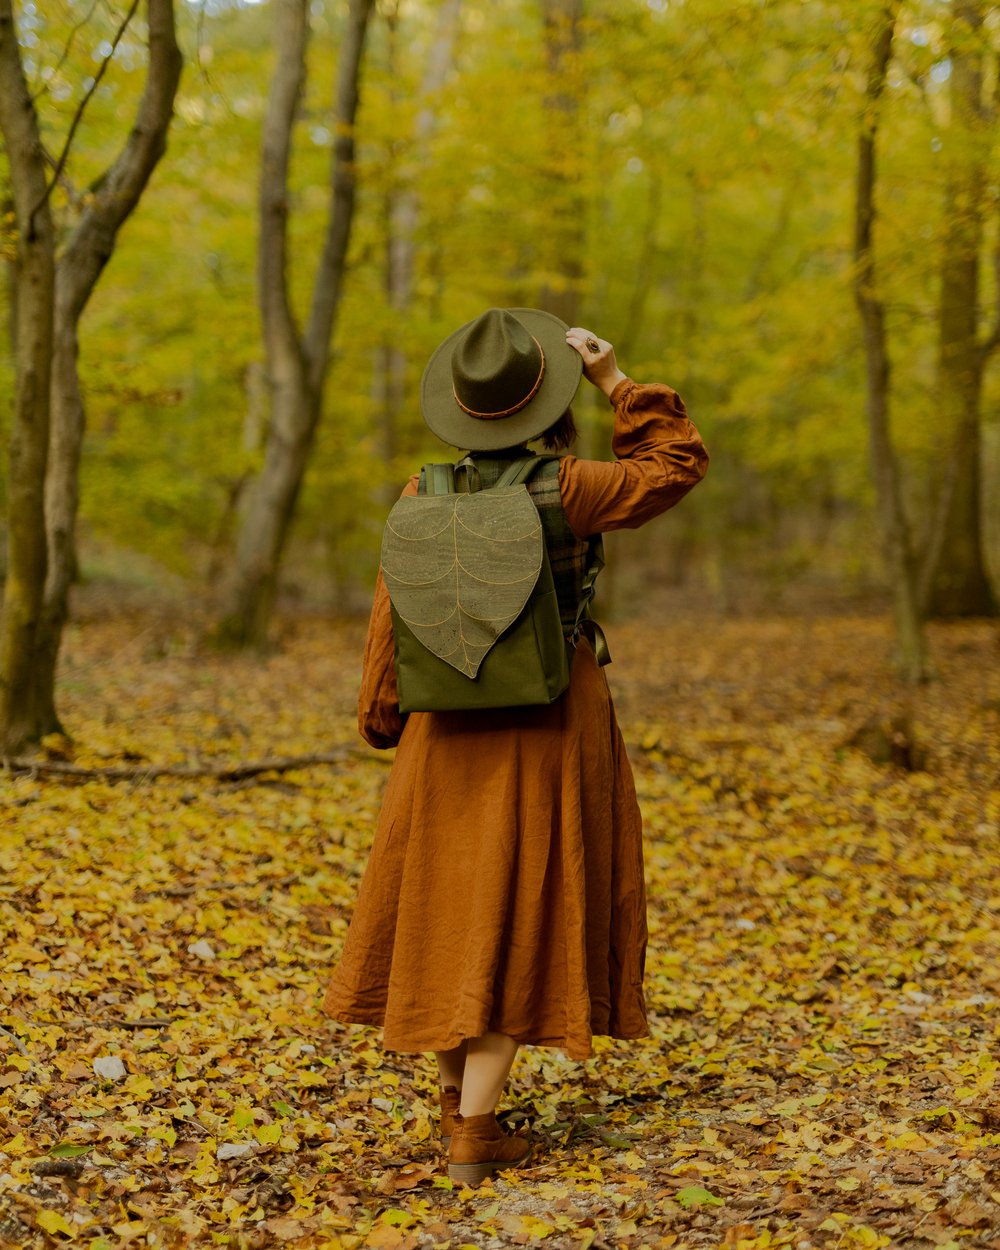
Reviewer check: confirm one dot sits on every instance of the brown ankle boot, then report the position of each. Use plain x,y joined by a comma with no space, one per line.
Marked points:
451,1100
479,1147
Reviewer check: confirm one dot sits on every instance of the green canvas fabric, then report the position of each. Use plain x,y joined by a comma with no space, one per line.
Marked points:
460,568
478,618
569,556
475,615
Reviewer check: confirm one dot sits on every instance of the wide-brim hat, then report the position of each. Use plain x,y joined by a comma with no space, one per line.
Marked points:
501,379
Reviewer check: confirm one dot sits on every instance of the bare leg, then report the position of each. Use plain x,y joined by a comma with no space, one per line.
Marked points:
487,1066
451,1065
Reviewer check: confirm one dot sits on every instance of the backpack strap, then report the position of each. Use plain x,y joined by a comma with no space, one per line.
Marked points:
585,623
519,471
463,478
467,480
449,479
437,479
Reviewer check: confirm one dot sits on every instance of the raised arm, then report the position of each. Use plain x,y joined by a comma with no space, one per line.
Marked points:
660,455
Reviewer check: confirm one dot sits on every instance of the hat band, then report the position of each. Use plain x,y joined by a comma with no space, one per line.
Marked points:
507,412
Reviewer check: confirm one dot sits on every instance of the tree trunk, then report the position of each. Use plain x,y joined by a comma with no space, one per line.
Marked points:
91,245
296,363
388,374
401,214
34,294
50,300
271,499
566,225
62,498
895,529
955,581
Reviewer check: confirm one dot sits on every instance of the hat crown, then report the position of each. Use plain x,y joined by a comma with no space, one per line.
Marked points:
496,366
501,379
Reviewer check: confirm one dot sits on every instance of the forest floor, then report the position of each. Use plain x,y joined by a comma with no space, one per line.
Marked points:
823,975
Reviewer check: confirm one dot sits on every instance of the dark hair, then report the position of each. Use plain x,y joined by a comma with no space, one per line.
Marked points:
560,435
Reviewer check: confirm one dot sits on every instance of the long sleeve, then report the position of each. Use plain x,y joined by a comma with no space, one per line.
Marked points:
379,720
660,457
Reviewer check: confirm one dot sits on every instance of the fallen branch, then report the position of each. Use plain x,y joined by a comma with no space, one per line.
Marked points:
182,891
147,772
144,1022
13,1037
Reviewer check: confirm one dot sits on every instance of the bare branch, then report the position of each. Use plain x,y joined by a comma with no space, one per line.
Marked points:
13,1037
78,115
123,182
67,49
149,772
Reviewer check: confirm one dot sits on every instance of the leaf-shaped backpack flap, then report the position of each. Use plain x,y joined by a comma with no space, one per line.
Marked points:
460,568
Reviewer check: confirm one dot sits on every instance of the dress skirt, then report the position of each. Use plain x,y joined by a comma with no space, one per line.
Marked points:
505,888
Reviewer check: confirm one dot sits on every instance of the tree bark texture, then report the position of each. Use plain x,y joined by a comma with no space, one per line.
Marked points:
33,301
90,246
955,581
401,215
885,469
561,21
297,361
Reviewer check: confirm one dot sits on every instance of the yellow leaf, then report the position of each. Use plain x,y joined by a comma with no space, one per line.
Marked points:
811,1137
385,1237
269,1134
285,1228
397,1218
128,1230
536,1228
53,1222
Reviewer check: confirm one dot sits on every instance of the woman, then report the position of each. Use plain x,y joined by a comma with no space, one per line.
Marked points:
504,903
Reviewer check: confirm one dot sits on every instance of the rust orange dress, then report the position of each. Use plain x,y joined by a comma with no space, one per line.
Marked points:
505,890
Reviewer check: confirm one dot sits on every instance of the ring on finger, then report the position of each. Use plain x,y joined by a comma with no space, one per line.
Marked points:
592,345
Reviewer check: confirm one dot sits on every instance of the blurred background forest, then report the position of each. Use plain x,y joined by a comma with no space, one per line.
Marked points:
680,175
231,234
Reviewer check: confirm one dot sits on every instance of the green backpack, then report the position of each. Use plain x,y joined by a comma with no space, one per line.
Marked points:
475,615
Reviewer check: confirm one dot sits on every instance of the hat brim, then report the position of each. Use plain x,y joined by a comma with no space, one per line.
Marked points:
563,367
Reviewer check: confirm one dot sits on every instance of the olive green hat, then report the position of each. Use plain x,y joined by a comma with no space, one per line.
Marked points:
501,379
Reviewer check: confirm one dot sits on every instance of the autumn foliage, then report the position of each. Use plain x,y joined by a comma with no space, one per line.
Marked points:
823,974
